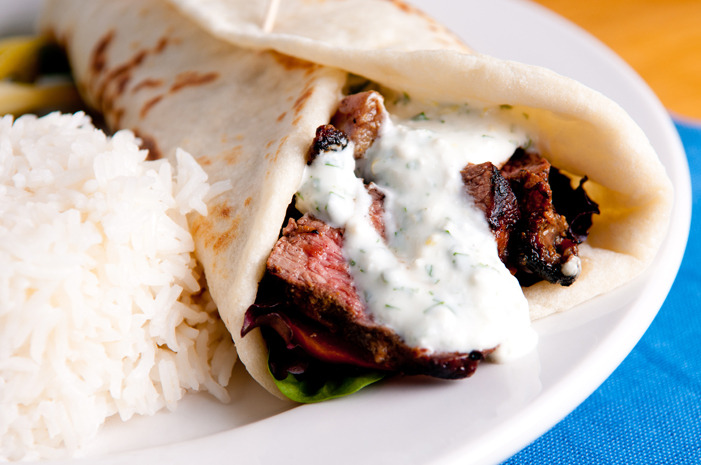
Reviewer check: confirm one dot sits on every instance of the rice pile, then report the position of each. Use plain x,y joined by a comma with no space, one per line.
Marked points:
102,304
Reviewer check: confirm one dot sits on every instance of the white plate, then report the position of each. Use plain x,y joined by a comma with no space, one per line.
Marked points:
502,407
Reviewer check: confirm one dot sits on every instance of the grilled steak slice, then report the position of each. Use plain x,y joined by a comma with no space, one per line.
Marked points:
315,283
542,247
360,117
493,195
309,257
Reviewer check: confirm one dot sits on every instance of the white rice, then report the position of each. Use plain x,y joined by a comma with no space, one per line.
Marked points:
102,304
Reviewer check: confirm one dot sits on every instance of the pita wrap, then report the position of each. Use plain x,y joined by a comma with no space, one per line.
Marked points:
205,76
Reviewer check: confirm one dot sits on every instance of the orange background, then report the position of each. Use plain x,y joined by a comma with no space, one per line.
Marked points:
660,39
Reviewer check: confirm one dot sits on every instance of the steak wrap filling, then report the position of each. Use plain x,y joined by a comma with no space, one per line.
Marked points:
318,322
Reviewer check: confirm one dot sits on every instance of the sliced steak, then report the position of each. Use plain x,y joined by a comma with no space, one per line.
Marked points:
315,282
309,257
542,247
493,195
360,117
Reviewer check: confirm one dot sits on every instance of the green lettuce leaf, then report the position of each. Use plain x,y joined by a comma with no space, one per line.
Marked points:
336,386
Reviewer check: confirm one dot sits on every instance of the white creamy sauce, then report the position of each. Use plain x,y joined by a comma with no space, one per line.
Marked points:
437,279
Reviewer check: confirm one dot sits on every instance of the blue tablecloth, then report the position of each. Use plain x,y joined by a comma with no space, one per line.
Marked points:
649,410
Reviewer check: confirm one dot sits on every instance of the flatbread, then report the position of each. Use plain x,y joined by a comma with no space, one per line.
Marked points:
204,76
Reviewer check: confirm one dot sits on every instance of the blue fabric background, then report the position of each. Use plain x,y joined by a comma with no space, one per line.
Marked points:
649,410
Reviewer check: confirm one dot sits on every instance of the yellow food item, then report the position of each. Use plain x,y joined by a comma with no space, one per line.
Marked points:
18,98
19,57
22,88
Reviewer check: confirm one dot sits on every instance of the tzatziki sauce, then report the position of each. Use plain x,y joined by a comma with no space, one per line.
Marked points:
435,278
